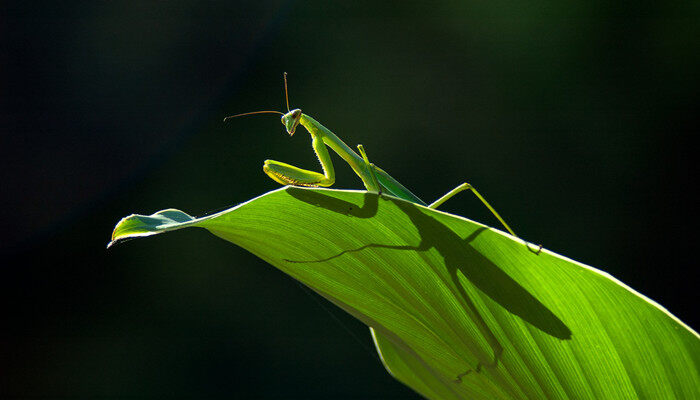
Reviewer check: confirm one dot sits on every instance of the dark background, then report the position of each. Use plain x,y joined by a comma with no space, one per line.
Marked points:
573,118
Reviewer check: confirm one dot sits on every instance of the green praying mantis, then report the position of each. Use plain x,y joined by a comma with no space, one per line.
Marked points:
374,178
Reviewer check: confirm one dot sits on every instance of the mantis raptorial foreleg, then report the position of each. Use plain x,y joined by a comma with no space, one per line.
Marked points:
290,175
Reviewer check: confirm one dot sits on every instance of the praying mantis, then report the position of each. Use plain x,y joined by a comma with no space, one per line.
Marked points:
374,178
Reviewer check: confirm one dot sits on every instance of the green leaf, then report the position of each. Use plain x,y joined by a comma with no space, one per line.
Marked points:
459,310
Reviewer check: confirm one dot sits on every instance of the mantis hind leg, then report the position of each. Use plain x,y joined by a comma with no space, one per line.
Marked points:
290,175
467,186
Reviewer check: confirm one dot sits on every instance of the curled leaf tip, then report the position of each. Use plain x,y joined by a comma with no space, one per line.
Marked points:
137,225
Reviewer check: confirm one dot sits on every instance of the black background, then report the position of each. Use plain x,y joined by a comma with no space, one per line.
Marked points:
575,120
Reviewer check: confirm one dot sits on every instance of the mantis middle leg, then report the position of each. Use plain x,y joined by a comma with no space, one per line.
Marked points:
373,185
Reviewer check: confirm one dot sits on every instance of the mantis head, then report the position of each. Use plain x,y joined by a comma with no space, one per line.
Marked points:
291,120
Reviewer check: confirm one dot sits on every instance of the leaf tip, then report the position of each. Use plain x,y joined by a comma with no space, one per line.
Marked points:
137,225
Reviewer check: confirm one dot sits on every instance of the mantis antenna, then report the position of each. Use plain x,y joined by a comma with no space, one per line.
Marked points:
252,113
286,97
286,94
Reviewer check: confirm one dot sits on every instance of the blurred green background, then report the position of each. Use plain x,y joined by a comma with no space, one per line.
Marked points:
574,119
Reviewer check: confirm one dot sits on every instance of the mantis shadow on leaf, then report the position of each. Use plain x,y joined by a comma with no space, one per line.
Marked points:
368,210
459,257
